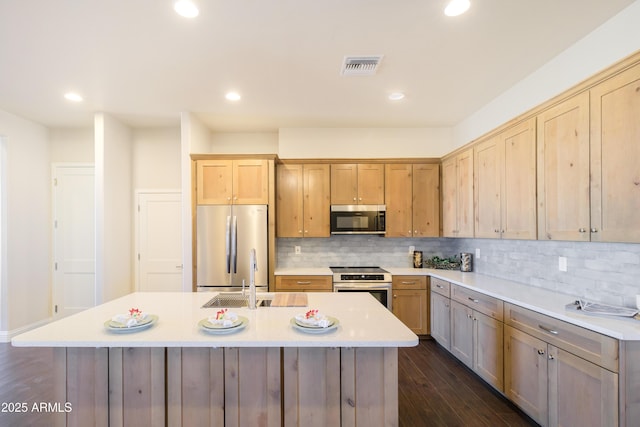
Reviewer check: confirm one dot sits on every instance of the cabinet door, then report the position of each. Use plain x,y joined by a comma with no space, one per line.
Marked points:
317,195
462,333
449,198
464,175
371,184
250,182
304,283
426,200
440,319
525,373
580,393
289,198
410,306
344,184
488,349
518,181
398,197
214,179
563,171
487,193
615,150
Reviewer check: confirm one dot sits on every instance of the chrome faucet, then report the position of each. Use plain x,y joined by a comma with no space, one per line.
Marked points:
253,267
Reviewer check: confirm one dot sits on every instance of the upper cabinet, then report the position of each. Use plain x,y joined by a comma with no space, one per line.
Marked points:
615,150
302,200
563,170
412,196
238,182
457,195
357,184
505,184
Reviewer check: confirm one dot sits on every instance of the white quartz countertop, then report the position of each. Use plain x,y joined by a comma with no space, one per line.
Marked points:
541,300
363,322
317,271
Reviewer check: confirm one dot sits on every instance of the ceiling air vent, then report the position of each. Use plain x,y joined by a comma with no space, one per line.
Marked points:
360,65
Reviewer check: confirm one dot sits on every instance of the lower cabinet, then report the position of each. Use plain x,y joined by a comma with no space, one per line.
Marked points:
411,302
304,283
440,319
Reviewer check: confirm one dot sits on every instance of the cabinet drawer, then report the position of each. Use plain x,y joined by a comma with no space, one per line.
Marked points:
592,346
483,303
302,283
440,286
409,282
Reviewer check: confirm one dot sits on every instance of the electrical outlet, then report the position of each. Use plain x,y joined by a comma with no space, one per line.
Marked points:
562,263
411,249
297,250
477,253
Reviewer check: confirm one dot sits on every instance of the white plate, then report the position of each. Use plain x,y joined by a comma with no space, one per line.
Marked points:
207,326
114,326
210,325
332,321
315,329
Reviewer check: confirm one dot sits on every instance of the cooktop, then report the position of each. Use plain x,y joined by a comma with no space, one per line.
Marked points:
357,270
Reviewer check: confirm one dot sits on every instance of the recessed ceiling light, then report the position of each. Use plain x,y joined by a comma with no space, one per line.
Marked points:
396,96
72,96
457,7
233,96
186,8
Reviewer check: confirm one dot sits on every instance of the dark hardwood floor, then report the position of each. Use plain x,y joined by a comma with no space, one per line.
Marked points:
434,389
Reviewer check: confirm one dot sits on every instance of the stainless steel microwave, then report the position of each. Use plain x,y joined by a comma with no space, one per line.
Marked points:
358,219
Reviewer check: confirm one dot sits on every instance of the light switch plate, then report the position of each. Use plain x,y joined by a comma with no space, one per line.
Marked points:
562,263
411,249
477,253
297,250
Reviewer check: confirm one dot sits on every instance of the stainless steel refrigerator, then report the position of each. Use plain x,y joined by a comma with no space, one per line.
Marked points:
225,236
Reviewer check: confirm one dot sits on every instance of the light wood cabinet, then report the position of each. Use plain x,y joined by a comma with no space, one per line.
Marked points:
457,195
563,170
505,184
558,373
412,197
411,302
615,150
357,184
226,182
303,200
477,333
304,283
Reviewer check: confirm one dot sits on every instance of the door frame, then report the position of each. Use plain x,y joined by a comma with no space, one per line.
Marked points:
136,231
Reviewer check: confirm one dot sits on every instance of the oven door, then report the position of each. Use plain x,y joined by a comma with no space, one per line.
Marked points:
380,291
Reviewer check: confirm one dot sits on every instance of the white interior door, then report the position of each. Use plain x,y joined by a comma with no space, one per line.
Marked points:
159,242
74,239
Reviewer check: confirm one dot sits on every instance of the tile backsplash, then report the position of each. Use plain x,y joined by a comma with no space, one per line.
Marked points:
605,272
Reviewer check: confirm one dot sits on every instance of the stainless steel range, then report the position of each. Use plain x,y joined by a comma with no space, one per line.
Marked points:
374,280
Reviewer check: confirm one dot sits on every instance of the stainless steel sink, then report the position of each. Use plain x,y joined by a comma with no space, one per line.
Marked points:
235,300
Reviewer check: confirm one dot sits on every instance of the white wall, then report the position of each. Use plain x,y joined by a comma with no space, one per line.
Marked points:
156,159
250,142
27,290
72,145
364,142
614,40
114,208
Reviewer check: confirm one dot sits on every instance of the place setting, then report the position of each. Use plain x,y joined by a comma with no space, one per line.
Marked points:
223,322
133,321
313,322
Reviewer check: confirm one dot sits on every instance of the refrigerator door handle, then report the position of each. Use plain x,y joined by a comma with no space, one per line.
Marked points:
234,244
227,244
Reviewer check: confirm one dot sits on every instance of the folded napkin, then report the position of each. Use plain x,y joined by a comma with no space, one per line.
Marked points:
313,318
133,318
223,318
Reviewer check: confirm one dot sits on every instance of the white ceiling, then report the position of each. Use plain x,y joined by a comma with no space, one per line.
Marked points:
142,63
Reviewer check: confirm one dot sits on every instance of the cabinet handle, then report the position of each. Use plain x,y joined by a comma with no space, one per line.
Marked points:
549,330
496,230
469,316
413,282
594,230
473,300
303,283
540,351
354,199
582,230
395,296
300,231
551,357
440,286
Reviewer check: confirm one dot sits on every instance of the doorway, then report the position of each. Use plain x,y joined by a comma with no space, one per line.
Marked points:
73,238
159,241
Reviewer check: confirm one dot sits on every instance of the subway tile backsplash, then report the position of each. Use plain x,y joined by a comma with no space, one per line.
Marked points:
605,272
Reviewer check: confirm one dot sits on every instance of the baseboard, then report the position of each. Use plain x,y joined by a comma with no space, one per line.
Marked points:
6,336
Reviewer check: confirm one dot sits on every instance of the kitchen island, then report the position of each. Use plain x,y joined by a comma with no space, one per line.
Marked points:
269,373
